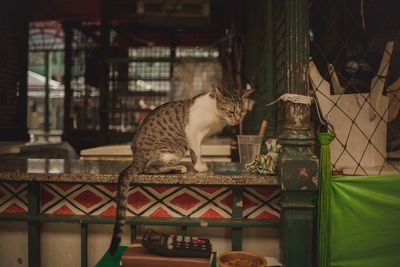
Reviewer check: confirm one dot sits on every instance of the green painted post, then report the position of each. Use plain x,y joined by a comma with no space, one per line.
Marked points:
34,227
133,232
297,165
183,230
237,214
67,80
47,70
84,245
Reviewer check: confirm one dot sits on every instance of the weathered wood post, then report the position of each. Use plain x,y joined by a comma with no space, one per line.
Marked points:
297,165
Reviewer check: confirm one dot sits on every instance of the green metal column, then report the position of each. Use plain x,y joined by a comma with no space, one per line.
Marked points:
183,230
133,232
67,80
237,214
34,227
84,245
47,74
297,165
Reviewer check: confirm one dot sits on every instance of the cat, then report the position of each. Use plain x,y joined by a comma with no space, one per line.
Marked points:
171,130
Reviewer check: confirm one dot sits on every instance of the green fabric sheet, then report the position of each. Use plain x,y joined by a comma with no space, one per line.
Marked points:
365,222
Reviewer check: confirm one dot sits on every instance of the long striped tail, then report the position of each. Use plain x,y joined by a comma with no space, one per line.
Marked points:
124,180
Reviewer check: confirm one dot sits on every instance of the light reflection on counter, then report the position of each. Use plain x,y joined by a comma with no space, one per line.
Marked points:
46,166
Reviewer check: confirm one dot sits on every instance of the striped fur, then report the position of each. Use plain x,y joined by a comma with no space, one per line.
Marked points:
120,217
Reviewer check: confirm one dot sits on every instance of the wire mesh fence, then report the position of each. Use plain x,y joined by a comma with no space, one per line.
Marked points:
144,70
84,85
354,72
8,79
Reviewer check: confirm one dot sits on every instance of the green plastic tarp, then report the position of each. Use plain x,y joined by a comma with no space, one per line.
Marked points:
365,221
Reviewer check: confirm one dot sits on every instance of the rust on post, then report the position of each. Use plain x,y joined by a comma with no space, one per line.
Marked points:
297,116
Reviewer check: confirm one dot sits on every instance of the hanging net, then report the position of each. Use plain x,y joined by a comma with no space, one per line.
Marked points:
355,76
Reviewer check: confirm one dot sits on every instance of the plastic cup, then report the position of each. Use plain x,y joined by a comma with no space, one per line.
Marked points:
249,146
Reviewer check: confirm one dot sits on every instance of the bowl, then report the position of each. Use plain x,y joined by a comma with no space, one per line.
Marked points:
227,168
240,259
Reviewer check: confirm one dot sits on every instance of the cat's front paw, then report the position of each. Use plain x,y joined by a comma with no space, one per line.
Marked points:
182,169
200,167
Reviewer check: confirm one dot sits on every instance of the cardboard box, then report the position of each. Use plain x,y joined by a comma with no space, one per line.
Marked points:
138,256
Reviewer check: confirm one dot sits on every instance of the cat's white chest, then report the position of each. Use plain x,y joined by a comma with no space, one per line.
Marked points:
203,117
215,125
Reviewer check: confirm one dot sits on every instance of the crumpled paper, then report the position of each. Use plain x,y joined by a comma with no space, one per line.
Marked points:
266,164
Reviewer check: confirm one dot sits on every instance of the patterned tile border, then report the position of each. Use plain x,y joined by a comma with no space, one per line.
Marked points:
147,201
13,198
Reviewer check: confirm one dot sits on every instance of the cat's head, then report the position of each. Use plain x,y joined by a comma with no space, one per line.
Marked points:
232,106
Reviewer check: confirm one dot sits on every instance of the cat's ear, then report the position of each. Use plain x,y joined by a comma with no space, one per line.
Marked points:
247,93
219,91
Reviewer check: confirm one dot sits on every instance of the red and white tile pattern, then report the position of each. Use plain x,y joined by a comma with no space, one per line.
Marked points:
261,203
146,201
13,198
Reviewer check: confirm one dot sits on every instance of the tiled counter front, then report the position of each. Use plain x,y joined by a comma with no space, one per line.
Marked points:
79,187
38,191
13,198
158,201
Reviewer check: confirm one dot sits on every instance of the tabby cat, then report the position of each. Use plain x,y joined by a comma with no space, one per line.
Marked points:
169,132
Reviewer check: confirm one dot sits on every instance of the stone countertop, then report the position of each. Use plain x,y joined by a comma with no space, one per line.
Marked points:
212,149
106,171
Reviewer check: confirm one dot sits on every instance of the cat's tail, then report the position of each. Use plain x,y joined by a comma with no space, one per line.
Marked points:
124,180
